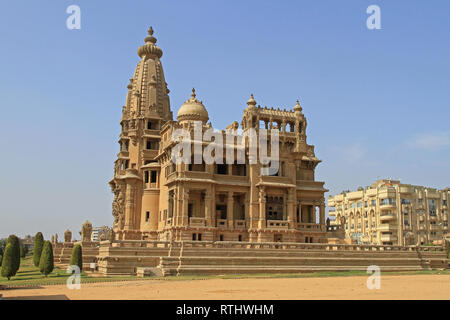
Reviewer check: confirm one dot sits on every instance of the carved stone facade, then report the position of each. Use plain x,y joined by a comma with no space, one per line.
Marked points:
155,199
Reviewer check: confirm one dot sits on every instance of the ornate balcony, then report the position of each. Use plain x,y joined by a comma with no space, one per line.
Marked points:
277,224
387,216
197,222
239,224
309,226
386,227
222,223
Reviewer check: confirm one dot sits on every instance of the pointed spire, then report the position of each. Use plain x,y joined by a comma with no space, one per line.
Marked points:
193,94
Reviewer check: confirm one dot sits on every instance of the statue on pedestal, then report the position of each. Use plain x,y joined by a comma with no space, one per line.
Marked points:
67,236
86,232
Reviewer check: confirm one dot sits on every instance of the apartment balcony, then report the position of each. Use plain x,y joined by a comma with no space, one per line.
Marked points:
385,227
387,217
405,189
277,224
388,206
388,238
435,227
197,222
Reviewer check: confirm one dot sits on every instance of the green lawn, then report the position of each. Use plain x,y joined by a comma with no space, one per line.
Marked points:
29,275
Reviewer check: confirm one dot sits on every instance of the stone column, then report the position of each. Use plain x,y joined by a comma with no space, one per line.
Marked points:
184,213
208,208
230,204
291,208
213,206
322,213
262,208
322,217
129,206
247,207
300,219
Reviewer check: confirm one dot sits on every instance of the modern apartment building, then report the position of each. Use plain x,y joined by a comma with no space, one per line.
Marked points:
389,212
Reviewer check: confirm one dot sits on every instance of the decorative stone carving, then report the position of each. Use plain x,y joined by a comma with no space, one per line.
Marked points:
86,232
118,205
67,236
56,238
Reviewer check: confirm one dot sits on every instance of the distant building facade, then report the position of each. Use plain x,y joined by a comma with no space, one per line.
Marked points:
389,212
97,232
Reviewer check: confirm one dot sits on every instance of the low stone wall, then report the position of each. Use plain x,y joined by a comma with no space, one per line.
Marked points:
208,257
63,252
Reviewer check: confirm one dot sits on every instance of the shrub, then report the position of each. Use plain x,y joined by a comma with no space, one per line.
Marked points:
77,256
23,250
15,243
46,263
8,266
37,250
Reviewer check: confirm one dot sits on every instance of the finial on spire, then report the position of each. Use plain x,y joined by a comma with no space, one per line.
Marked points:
193,93
150,37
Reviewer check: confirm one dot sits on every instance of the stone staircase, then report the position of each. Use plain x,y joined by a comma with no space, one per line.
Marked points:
207,257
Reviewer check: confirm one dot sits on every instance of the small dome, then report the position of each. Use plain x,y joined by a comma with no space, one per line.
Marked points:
251,102
193,109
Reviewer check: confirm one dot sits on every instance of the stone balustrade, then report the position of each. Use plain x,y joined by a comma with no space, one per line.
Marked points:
277,224
268,245
197,222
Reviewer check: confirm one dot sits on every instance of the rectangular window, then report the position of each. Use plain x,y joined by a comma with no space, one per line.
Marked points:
153,176
222,169
147,216
146,176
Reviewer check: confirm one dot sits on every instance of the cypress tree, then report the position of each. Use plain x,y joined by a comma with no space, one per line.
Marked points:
8,265
37,250
15,243
1,256
46,263
77,256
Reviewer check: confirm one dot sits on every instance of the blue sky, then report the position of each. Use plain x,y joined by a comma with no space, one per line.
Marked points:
377,101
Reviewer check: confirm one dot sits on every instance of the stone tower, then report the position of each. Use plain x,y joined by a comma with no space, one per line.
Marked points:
147,108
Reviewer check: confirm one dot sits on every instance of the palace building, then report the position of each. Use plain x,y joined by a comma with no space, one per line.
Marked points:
391,213
156,199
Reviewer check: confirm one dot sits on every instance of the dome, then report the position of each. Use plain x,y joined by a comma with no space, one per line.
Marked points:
193,109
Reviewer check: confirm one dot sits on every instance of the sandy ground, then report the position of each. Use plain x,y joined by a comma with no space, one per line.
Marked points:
392,287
